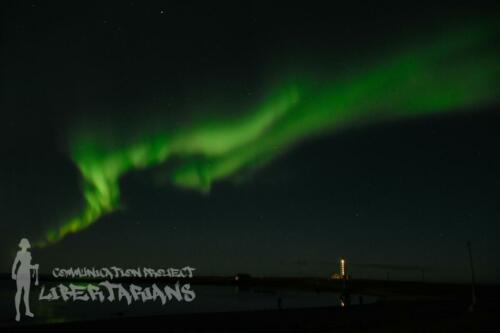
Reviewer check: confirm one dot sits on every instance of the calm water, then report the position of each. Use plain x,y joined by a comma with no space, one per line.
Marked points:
208,299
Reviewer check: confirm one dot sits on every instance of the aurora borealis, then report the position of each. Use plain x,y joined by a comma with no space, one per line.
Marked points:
252,137
413,81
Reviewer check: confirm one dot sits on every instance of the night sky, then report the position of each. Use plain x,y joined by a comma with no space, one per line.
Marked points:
249,137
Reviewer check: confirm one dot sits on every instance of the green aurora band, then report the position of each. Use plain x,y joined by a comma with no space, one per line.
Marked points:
455,71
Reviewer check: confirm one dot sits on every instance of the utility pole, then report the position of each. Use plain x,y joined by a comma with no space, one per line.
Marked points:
473,278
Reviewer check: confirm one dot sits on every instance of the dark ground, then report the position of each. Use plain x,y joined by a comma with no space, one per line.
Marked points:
402,307
397,316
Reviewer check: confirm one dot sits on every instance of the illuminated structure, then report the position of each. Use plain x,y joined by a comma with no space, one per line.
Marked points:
343,274
345,298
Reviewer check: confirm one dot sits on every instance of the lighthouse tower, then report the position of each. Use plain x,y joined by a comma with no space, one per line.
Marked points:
343,269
